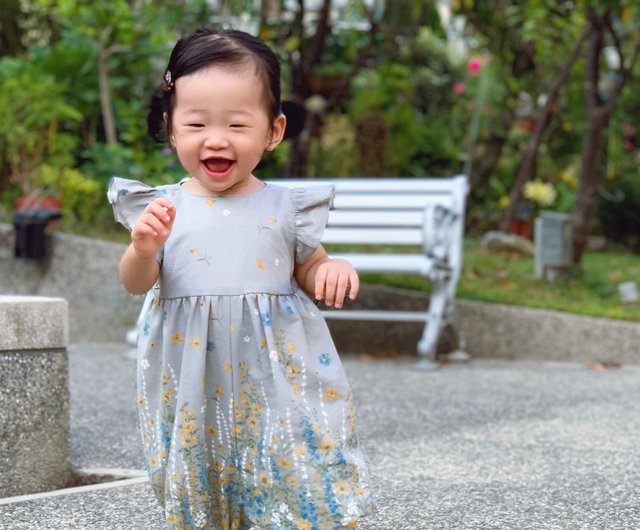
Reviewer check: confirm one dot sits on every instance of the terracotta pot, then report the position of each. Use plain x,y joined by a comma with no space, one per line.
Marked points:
43,203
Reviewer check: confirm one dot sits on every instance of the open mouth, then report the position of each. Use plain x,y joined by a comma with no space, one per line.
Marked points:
217,165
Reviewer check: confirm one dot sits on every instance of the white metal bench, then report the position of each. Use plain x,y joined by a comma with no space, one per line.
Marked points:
426,213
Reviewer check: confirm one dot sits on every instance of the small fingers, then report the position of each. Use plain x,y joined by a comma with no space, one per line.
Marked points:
354,285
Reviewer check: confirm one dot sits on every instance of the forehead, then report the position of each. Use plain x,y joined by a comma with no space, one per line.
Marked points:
220,87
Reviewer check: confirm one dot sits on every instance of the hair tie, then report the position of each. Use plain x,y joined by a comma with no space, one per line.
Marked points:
168,84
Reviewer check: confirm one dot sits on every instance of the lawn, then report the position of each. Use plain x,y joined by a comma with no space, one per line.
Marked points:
507,277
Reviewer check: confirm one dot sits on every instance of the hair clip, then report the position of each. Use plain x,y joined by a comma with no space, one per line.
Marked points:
168,84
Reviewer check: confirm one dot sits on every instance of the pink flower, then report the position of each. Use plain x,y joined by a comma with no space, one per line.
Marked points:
458,88
629,147
474,65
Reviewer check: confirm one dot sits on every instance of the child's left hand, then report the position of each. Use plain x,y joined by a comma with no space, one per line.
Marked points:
334,279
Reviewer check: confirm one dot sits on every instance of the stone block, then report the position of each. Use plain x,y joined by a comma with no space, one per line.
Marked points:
34,395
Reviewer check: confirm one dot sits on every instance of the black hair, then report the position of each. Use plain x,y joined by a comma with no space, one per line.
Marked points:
207,47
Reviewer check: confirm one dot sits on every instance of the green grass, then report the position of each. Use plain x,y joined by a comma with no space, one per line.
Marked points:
507,278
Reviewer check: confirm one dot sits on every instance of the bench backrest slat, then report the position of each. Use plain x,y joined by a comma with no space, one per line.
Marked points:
373,236
390,218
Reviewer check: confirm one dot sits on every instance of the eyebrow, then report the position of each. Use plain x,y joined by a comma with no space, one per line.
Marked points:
205,111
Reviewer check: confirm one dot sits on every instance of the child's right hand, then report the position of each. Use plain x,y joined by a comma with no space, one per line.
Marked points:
153,227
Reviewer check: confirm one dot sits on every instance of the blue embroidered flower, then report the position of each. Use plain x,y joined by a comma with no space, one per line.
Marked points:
325,359
266,319
145,329
162,192
290,310
211,346
123,192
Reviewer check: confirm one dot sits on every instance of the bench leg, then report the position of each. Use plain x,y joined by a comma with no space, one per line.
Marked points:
436,314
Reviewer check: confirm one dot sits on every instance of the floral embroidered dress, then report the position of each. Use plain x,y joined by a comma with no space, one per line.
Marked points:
246,415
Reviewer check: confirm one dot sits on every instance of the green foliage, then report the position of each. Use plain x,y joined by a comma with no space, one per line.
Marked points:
619,211
81,197
33,119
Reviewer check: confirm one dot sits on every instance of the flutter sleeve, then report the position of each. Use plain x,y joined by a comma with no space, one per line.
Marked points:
129,198
311,213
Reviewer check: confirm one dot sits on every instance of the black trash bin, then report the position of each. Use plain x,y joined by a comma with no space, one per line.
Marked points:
30,237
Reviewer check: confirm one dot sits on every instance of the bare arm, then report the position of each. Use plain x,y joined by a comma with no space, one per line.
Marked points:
139,268
324,278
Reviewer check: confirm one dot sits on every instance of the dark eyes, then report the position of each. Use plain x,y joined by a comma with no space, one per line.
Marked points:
237,126
195,125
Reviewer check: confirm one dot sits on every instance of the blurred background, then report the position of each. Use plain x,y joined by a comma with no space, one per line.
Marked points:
536,101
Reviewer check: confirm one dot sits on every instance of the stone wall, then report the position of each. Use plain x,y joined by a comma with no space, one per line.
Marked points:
84,271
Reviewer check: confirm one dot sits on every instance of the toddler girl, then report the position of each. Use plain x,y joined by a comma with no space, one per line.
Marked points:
246,415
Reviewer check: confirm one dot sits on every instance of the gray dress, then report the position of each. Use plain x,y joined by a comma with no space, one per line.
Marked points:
246,415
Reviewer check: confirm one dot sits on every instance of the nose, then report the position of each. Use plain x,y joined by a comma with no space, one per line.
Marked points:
216,139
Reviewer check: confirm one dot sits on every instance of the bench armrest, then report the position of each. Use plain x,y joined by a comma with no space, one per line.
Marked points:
440,227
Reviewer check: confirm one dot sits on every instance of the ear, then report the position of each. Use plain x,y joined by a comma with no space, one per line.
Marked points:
277,132
165,118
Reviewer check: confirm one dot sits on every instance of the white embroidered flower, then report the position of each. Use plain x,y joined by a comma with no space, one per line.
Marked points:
298,222
276,262
274,355
312,314
144,363
200,519
246,338
226,212
256,312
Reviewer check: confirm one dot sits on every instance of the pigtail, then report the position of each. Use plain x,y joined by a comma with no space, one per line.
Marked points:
158,106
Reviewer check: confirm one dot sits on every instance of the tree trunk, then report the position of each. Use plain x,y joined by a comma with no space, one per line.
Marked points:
529,159
108,118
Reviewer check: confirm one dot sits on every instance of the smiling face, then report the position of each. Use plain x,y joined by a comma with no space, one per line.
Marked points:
220,129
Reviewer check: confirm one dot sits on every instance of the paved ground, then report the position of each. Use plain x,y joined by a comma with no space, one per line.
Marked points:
486,445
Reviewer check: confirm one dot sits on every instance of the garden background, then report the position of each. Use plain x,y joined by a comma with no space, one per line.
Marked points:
536,101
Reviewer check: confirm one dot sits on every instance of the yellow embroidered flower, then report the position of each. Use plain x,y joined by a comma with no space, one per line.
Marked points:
195,252
263,479
232,327
330,394
256,408
342,488
352,524
218,466
230,469
210,201
260,265
153,461
296,388
188,440
174,518
219,391
146,439
292,481
236,430
211,430
163,454
272,220
151,424
361,492
253,452
142,401
167,395
292,371
291,347
263,343
189,427
285,463
239,414
195,342
176,338
228,367
252,422
303,524
165,378
326,445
